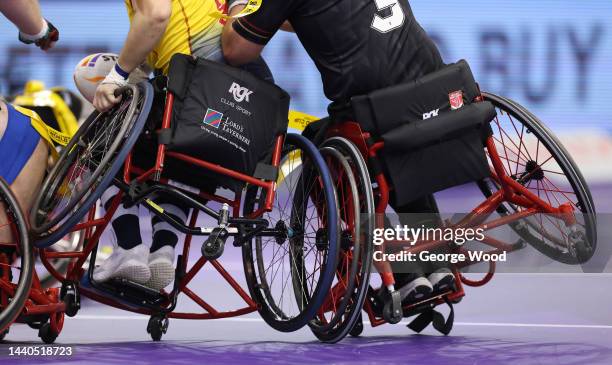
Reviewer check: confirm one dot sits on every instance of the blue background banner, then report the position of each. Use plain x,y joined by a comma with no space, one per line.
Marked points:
554,56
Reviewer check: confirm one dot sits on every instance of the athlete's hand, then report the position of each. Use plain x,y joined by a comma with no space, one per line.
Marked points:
45,40
105,93
48,41
105,96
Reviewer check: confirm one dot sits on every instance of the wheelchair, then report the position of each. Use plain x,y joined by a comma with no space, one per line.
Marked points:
283,216
41,306
528,181
60,109
23,297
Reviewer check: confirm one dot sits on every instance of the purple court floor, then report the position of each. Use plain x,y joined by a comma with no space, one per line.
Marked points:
516,319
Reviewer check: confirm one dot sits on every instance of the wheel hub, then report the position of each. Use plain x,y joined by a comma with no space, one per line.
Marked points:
321,240
346,240
282,232
533,171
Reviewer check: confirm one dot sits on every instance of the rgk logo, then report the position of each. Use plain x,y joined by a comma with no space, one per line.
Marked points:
240,93
431,114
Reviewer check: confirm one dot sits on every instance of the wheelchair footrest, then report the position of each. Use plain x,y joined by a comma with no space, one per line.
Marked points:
134,293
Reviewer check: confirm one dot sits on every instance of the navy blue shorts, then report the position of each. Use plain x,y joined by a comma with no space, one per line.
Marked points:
17,144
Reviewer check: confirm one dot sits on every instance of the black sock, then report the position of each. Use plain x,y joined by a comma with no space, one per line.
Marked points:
125,223
163,233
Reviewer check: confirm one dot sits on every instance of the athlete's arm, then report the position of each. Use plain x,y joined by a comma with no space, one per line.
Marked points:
146,30
25,14
231,41
33,28
244,39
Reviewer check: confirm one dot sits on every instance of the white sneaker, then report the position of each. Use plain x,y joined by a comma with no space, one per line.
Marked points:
442,279
161,264
415,290
127,264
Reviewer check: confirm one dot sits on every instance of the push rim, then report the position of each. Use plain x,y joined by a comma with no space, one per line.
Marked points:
361,228
143,95
270,262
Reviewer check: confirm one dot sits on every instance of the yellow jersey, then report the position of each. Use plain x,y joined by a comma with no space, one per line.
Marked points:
193,29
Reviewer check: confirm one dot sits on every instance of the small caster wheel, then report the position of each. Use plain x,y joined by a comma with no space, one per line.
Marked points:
46,334
157,327
3,334
72,305
357,328
392,309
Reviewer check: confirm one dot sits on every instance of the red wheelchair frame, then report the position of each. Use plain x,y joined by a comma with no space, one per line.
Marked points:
510,191
93,229
41,303
48,302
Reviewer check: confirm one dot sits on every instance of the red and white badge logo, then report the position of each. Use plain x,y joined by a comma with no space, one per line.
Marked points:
456,99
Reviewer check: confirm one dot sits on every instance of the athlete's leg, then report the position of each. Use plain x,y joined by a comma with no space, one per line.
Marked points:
418,279
5,231
24,160
26,185
165,239
129,259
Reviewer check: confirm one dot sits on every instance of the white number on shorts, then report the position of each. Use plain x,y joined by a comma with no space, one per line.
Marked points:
393,21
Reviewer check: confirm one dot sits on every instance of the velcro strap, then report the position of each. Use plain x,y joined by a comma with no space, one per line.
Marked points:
436,319
421,321
266,172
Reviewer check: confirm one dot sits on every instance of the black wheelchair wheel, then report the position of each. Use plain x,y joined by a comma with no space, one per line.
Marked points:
16,259
289,273
88,164
341,311
533,156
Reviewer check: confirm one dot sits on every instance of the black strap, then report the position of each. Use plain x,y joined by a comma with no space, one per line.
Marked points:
436,319
266,172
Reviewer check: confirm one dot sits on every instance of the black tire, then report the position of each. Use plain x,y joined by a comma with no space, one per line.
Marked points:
357,329
98,149
72,308
16,256
354,189
573,248
46,334
157,327
283,310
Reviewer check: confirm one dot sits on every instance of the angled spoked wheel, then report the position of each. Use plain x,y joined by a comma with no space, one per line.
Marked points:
535,158
341,310
88,164
290,271
16,259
